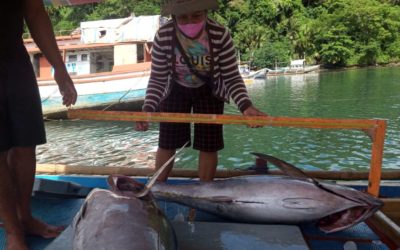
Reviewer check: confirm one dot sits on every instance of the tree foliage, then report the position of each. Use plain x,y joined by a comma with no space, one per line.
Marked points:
331,32
272,54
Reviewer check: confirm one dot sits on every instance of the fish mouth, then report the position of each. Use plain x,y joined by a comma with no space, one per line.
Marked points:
346,218
124,185
363,206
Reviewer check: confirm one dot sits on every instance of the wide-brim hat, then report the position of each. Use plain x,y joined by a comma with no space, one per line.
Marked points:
180,7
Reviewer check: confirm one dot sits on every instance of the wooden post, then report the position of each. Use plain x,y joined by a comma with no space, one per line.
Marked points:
378,140
64,55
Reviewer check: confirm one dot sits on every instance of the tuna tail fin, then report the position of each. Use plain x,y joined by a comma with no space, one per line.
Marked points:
286,167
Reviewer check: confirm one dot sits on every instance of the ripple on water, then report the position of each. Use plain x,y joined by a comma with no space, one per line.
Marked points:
365,93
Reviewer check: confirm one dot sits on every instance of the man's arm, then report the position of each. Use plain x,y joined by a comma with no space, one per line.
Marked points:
41,31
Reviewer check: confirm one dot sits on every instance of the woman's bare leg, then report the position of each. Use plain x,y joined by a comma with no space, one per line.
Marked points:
22,162
8,212
208,162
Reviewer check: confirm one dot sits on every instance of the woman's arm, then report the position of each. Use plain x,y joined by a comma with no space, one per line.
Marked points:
42,32
158,76
160,71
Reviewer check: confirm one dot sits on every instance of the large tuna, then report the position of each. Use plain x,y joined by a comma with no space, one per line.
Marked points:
293,199
116,219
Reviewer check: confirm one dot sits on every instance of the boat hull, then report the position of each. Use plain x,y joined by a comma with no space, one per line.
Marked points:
95,91
60,209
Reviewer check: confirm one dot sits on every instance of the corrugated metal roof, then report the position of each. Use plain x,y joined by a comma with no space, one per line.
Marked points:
130,29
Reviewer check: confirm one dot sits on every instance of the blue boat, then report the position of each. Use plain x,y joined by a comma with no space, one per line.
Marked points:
57,198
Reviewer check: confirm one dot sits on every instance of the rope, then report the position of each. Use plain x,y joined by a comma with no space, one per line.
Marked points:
51,94
126,93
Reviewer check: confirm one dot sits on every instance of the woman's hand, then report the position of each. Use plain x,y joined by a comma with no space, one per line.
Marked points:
142,126
66,87
253,111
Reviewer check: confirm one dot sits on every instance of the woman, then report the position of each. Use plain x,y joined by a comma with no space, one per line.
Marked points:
194,69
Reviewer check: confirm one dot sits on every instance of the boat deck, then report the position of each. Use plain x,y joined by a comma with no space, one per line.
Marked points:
220,234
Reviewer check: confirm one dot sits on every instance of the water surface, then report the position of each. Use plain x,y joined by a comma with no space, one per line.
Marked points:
363,93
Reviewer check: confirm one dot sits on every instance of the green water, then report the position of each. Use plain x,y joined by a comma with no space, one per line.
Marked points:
362,93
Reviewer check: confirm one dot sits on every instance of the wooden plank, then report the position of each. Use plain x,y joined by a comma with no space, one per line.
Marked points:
388,231
59,169
391,204
363,124
392,209
378,140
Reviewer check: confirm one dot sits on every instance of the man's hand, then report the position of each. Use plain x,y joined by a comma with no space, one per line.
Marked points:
253,111
66,87
142,126
41,30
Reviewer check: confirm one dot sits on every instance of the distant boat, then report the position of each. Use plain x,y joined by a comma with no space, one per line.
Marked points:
296,67
299,67
108,60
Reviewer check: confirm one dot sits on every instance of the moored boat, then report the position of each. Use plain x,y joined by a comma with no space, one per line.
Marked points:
295,67
108,60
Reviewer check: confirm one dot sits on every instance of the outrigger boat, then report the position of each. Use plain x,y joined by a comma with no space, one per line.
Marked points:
60,191
108,60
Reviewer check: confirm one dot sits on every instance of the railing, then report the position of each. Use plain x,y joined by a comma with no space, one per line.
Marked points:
375,128
56,33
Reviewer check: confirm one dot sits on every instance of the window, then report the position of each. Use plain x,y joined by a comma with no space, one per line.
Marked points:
72,58
102,33
140,52
84,57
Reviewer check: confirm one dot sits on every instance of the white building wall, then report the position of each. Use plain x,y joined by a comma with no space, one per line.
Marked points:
130,29
78,62
125,54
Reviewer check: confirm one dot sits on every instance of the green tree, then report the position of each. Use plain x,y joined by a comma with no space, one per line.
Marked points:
349,32
272,53
332,32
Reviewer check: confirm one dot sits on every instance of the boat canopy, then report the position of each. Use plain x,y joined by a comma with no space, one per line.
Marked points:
297,63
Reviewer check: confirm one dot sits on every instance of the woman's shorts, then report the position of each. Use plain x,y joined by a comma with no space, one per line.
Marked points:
207,137
21,118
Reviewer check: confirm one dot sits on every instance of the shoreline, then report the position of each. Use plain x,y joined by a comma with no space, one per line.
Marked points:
389,65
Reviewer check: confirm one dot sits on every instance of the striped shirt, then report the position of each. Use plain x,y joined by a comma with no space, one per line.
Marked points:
226,80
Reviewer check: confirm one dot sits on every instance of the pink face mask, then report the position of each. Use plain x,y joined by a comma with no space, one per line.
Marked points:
191,29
